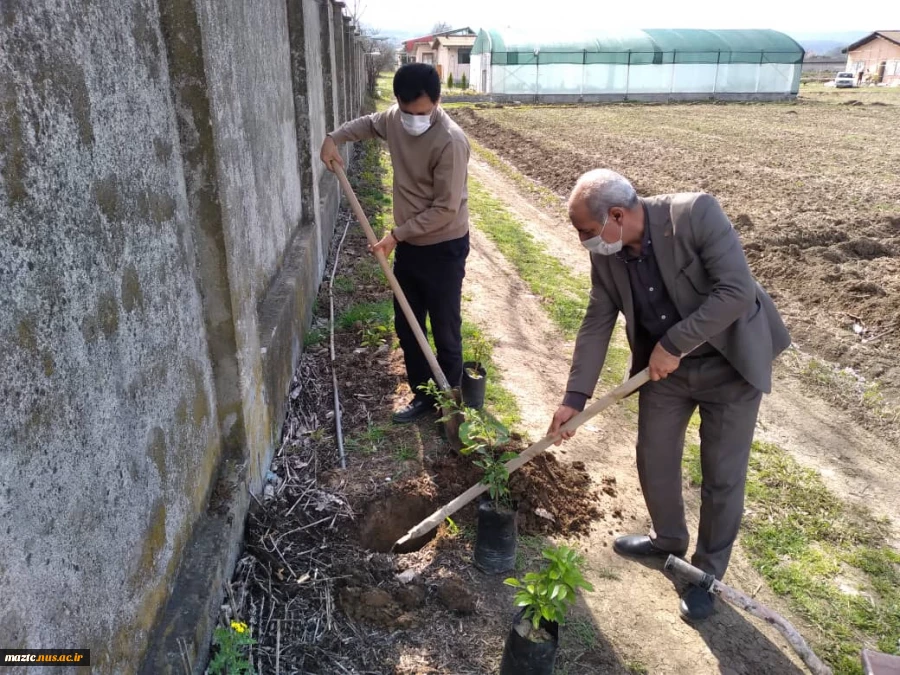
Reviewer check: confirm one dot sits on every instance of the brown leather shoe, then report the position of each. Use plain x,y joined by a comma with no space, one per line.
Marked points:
642,546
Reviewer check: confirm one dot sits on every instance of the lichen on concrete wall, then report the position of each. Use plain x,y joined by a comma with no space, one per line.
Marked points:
152,248
108,435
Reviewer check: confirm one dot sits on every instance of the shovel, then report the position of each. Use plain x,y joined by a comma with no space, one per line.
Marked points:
686,572
451,421
627,388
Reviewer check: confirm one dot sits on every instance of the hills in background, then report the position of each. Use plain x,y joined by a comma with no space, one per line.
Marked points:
827,44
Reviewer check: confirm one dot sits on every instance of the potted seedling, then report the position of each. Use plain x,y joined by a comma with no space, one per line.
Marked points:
496,537
544,597
474,379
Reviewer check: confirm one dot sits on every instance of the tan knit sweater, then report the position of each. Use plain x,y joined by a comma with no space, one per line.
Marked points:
430,174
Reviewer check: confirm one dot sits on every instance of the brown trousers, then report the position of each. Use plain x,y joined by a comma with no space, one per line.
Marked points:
728,409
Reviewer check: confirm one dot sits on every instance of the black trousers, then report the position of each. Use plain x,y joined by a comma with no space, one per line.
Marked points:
431,277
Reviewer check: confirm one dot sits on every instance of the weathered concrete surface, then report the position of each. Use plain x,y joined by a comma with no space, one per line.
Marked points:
108,433
329,66
161,243
247,63
340,71
329,190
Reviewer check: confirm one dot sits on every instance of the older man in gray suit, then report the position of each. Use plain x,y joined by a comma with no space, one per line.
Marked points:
674,266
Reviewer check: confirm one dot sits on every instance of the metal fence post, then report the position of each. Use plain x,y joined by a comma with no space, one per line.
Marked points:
716,80
628,75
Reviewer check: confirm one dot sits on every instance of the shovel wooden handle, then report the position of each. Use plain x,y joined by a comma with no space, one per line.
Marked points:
687,572
439,376
625,389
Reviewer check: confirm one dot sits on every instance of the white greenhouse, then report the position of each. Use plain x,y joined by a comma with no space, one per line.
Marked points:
648,65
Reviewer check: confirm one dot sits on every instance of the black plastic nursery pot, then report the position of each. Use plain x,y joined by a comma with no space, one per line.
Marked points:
496,538
473,388
521,656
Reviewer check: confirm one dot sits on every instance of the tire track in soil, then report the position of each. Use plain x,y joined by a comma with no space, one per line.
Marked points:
637,612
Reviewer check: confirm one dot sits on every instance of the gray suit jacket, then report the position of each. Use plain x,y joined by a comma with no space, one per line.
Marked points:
706,274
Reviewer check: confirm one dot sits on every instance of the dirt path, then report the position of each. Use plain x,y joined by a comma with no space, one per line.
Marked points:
855,464
635,607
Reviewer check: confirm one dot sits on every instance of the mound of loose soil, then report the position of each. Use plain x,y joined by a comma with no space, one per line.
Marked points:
561,489
555,497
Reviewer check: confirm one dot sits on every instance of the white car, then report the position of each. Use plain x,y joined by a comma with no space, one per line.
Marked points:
844,80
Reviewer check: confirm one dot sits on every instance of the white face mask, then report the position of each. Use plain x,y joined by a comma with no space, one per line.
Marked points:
597,245
415,125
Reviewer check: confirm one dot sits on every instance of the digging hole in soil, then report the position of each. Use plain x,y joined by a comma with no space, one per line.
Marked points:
388,519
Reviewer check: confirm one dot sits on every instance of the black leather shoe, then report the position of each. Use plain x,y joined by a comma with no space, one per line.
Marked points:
697,604
418,407
641,545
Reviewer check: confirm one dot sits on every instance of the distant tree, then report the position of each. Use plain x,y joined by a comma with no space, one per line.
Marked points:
450,81
464,82
381,52
440,27
381,56
355,9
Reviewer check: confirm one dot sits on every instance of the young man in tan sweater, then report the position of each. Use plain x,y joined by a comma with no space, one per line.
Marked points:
430,156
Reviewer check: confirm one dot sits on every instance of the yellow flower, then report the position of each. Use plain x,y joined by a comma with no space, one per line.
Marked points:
240,627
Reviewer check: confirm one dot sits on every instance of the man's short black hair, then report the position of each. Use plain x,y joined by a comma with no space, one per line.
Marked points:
417,79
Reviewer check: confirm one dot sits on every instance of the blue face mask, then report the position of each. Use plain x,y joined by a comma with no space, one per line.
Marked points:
601,247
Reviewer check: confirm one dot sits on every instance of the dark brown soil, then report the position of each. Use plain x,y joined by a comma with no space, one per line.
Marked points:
562,489
388,519
456,596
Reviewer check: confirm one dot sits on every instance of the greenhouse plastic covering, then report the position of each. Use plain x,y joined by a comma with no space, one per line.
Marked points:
656,47
639,62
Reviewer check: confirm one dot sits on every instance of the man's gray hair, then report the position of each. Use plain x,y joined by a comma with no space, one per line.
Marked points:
602,190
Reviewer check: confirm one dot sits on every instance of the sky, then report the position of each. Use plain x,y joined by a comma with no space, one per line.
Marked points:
806,17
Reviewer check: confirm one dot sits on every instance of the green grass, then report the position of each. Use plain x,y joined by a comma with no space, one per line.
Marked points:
636,668
381,312
368,441
528,551
404,453
827,557
372,184
583,632
314,337
499,400
694,424
616,364
542,195
691,462
384,91
344,284
562,294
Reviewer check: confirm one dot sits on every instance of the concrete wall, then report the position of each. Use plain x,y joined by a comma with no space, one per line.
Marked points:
164,222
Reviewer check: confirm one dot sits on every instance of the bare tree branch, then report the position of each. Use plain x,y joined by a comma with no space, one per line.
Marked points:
381,55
